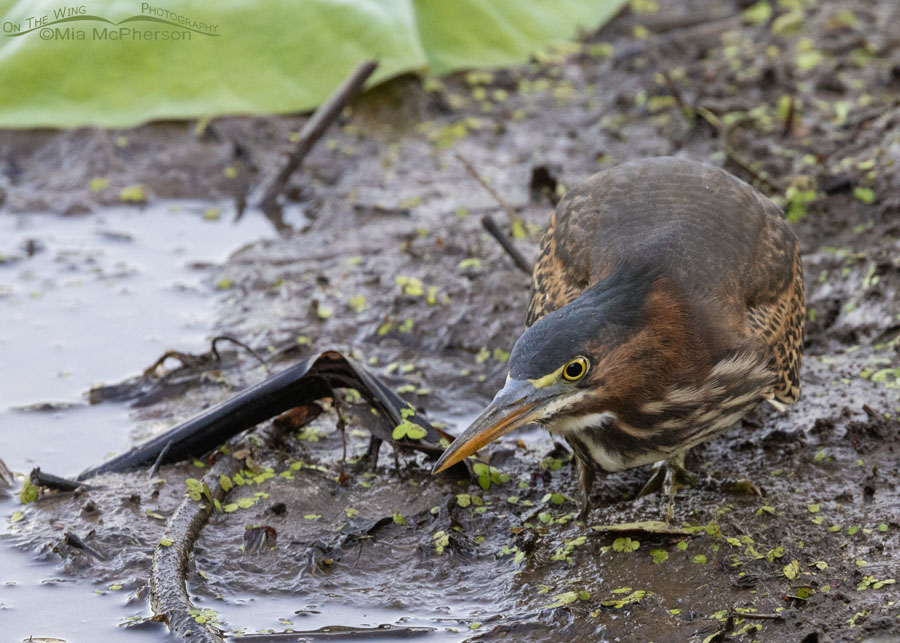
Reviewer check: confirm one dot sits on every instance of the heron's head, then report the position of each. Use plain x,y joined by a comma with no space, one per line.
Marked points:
564,369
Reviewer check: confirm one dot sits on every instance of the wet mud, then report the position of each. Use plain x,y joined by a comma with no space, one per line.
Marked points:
382,255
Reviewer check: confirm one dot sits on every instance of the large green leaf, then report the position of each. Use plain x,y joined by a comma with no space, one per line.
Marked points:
462,34
272,56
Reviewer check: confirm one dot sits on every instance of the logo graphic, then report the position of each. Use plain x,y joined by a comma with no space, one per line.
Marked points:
65,23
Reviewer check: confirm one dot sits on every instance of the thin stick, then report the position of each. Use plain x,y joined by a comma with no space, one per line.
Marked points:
868,115
488,222
487,186
731,154
74,540
789,119
506,243
315,127
686,109
159,460
758,617
691,30
40,479
186,359
228,338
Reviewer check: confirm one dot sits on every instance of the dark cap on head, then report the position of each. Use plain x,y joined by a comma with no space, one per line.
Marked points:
604,314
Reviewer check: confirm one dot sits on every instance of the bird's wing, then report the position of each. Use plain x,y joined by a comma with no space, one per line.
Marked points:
776,310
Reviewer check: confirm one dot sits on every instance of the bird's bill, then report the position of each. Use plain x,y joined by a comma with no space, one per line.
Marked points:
512,407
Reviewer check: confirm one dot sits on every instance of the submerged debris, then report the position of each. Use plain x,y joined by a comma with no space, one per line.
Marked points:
295,386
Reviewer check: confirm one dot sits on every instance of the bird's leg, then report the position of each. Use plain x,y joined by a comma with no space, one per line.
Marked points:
668,475
341,425
585,481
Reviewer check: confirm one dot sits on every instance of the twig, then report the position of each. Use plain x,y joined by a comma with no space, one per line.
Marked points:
724,132
159,460
237,342
731,154
654,527
506,243
867,115
789,118
488,222
738,159
74,540
487,186
686,109
759,617
692,31
40,479
321,119
188,360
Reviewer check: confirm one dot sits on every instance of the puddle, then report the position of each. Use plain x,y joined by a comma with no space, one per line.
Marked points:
63,441
36,600
285,613
100,297
103,295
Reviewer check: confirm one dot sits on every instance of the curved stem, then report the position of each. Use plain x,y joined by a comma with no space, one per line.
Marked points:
169,599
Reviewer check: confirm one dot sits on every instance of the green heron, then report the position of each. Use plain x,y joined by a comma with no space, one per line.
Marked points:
667,302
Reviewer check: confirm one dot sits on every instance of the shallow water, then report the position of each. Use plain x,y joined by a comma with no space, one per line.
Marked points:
103,295
281,612
36,600
99,299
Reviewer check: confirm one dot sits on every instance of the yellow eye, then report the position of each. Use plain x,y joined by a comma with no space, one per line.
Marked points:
576,369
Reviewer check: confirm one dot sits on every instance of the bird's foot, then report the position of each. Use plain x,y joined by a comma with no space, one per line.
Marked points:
668,476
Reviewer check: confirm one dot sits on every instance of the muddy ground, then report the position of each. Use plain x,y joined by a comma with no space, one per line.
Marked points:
803,102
